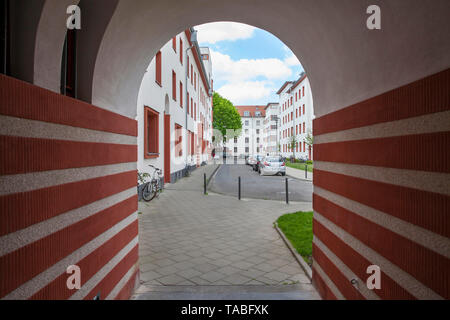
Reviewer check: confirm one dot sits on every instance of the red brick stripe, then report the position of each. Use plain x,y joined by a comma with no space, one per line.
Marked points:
338,278
430,268
23,100
424,209
112,279
425,152
90,265
21,210
322,287
23,155
42,254
425,96
390,290
128,289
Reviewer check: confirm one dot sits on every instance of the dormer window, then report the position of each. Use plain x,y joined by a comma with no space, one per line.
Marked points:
246,113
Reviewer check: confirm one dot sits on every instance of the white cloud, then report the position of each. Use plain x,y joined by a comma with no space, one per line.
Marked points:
246,92
227,69
223,31
292,61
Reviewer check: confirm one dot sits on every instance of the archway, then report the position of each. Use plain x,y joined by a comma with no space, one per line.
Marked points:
370,95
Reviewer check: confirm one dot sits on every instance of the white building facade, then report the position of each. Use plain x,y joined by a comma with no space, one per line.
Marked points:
295,118
251,139
271,129
174,109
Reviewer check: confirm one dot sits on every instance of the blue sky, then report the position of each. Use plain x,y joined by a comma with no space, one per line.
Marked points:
249,64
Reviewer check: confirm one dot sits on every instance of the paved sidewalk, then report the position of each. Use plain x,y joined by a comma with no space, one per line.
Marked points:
188,239
299,174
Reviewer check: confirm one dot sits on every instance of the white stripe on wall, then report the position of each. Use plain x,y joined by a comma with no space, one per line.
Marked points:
113,294
425,238
95,280
435,122
12,126
328,282
21,238
33,286
349,274
19,183
405,280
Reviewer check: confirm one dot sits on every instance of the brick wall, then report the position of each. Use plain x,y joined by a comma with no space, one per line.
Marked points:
382,194
67,196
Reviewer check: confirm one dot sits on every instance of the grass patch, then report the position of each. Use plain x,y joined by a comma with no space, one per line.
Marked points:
297,227
299,166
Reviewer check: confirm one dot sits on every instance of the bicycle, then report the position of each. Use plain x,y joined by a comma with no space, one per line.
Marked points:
151,188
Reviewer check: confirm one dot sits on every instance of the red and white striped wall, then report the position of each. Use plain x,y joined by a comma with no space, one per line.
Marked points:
382,194
67,196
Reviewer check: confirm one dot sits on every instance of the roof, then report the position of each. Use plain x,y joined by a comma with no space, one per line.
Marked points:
270,104
284,86
296,83
252,110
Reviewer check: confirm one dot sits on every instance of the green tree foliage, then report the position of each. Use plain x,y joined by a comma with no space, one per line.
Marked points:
226,116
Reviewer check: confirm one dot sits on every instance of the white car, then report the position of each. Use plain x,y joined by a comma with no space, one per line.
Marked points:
272,166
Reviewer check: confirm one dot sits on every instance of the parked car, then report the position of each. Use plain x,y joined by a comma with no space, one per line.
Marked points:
272,166
258,159
251,161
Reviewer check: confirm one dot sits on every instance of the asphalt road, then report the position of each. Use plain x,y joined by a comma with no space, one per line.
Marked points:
255,186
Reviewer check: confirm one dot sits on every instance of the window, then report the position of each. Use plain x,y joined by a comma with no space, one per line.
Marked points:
292,100
192,143
257,150
235,140
247,122
258,114
195,81
246,131
181,94
192,108
151,135
258,123
178,140
296,97
181,51
195,111
257,140
192,75
304,127
247,140
235,149
158,68
188,66
296,113
304,110
174,85
257,131
247,149
174,44
303,89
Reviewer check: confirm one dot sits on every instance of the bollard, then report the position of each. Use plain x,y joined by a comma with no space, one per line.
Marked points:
306,171
287,191
239,185
204,184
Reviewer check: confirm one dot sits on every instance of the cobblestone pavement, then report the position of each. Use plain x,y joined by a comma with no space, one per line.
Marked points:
188,239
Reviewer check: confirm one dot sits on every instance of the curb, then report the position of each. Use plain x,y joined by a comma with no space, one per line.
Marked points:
294,252
297,178
208,181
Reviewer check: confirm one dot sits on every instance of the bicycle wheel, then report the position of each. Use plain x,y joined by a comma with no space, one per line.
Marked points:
148,193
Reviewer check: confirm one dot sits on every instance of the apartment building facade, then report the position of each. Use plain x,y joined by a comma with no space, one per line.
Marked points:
271,124
174,109
295,118
250,141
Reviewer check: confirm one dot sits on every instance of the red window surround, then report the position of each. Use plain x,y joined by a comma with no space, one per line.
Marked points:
195,111
181,51
174,44
304,110
192,108
158,75
151,135
188,66
174,85
178,140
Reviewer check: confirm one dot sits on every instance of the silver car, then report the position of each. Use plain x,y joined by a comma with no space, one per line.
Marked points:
272,166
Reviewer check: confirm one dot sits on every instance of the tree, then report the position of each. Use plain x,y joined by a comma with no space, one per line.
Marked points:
309,140
293,144
226,117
